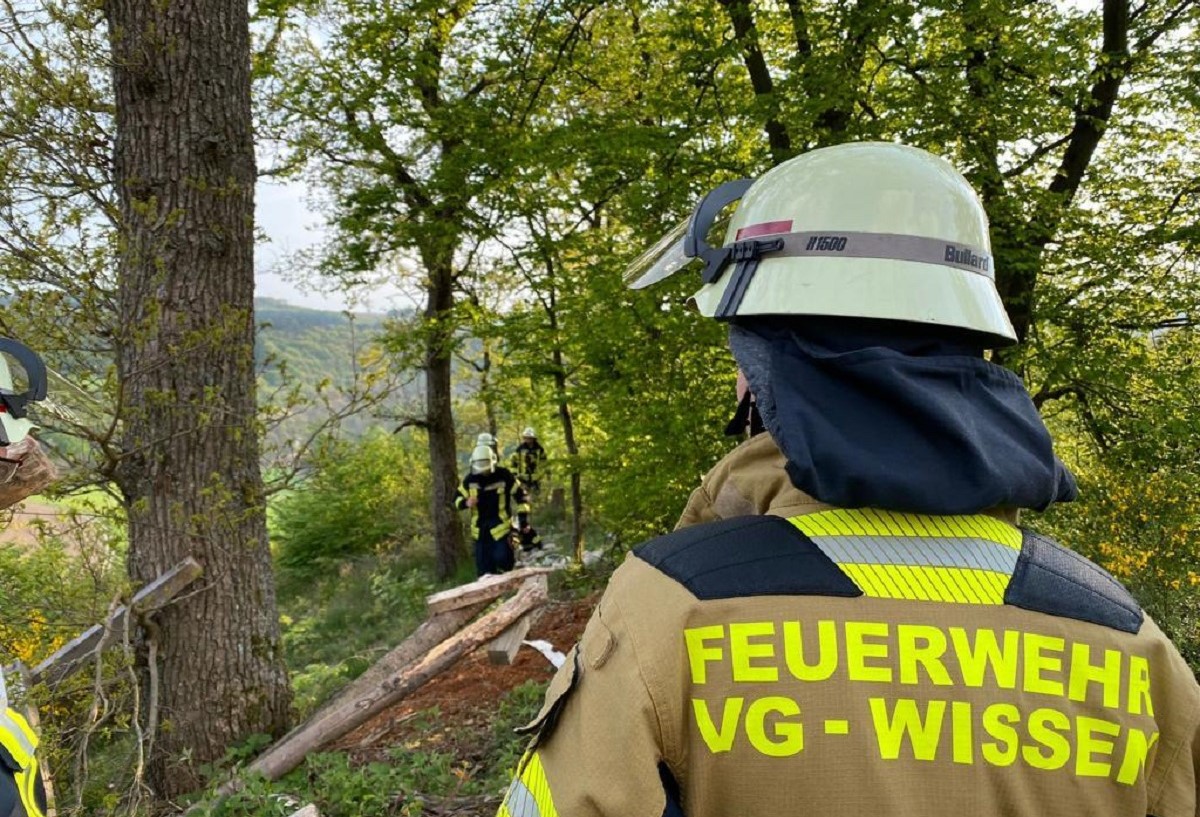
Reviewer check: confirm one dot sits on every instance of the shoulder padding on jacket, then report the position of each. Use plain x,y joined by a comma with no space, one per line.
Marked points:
1051,579
746,556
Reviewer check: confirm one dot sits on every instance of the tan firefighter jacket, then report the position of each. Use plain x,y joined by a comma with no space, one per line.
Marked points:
806,660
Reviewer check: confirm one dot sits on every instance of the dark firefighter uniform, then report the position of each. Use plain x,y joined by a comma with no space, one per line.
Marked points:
527,535
494,492
846,662
527,461
21,790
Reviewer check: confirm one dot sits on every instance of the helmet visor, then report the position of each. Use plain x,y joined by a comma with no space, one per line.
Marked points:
694,238
661,261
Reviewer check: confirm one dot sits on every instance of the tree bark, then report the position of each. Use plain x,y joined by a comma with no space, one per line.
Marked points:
184,171
443,454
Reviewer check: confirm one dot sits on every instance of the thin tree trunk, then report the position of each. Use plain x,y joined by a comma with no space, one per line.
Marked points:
443,453
185,174
485,390
568,425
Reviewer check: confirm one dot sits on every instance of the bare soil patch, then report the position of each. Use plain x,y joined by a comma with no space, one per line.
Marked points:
465,696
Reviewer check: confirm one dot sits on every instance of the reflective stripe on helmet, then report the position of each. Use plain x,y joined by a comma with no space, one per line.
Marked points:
921,249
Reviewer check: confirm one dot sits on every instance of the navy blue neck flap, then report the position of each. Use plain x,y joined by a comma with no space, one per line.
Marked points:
878,414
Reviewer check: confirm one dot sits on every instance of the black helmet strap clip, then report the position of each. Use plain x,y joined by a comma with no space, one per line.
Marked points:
695,243
747,255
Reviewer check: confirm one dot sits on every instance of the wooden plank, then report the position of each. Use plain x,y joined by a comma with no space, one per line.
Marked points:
151,597
504,649
287,754
481,590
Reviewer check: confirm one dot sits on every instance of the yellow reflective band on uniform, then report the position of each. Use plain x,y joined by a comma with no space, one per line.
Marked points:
529,794
17,738
871,522
27,784
501,530
918,557
20,741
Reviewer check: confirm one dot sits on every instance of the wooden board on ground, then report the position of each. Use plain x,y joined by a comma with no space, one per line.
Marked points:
504,649
485,589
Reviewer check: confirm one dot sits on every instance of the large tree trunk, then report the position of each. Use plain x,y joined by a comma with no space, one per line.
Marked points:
443,453
185,173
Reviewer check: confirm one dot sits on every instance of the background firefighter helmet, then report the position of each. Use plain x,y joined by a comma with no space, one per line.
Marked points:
529,432
14,404
865,230
483,460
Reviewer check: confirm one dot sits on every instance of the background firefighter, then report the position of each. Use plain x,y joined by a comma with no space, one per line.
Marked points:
489,490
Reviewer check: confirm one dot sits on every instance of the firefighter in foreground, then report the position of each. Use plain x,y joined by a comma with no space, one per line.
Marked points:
850,621
24,470
490,490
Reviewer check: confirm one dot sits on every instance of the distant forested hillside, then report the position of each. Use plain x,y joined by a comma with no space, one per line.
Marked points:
312,344
317,350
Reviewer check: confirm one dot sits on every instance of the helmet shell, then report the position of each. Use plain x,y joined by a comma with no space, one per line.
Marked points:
483,459
867,187
529,432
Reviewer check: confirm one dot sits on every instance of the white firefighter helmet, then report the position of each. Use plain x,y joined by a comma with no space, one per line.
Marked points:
485,438
14,405
483,460
865,230
529,432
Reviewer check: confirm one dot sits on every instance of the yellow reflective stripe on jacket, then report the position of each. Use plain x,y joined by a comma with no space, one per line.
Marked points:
27,785
17,738
529,793
501,530
871,522
918,557
20,741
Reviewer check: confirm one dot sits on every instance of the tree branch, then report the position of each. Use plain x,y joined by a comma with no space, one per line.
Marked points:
1093,112
746,35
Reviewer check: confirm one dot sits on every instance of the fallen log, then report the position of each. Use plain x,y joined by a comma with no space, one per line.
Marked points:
481,590
432,632
335,722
